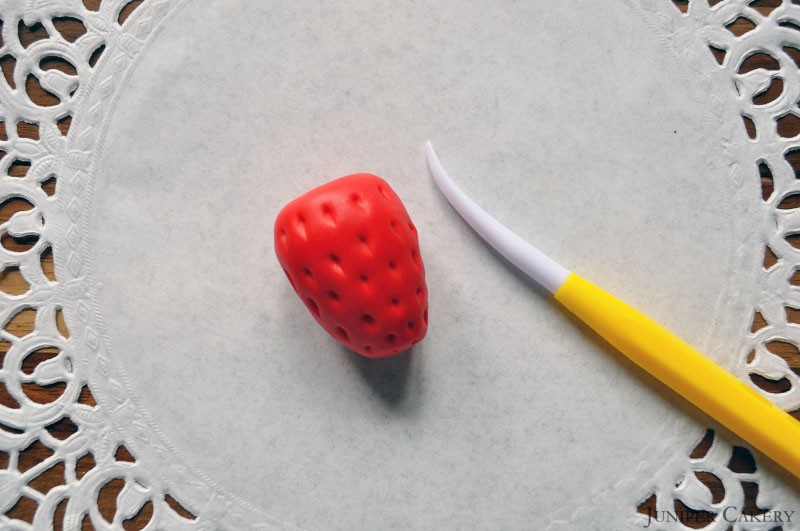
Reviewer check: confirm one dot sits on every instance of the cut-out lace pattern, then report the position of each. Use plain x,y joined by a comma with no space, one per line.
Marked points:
757,45
58,456
64,464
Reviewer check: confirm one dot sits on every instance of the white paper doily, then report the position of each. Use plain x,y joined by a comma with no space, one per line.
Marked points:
178,159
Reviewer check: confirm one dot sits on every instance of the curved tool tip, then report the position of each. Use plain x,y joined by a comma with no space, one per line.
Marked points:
519,252
443,180
433,161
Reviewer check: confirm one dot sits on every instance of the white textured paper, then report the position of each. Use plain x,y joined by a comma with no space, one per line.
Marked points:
572,122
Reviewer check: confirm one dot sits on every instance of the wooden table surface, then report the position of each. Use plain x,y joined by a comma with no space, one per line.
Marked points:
11,282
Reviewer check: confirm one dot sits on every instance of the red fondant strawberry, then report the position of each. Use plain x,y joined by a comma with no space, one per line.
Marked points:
351,253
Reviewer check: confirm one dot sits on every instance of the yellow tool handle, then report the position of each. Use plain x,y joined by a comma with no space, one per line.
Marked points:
701,381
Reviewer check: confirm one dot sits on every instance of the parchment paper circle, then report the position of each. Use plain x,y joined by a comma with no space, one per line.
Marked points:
570,121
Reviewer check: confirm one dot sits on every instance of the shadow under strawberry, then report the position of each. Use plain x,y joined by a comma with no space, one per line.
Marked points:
388,377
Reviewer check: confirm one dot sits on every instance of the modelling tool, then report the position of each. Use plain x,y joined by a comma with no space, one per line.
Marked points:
651,346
